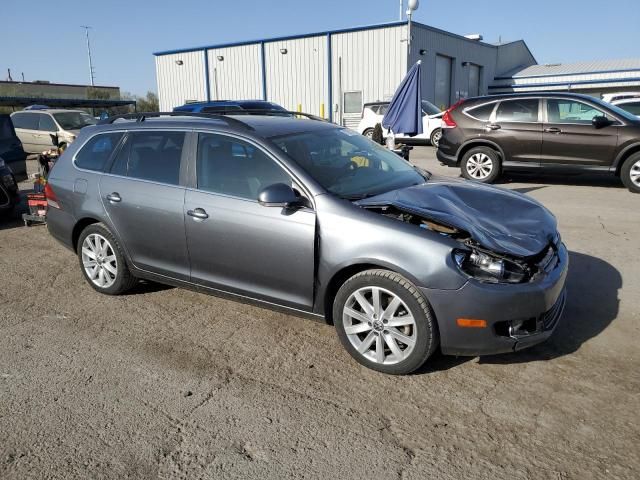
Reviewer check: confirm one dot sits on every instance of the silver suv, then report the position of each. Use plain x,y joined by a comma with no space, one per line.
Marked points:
35,127
316,219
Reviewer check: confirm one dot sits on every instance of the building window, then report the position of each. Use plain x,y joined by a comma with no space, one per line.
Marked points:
353,102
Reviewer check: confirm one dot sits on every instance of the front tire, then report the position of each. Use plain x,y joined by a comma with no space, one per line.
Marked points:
481,164
368,133
630,173
384,322
102,261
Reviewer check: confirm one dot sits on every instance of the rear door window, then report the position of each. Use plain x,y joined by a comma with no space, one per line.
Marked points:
151,155
95,153
28,121
525,110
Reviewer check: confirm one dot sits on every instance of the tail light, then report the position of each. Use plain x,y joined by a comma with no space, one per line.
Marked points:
52,199
447,118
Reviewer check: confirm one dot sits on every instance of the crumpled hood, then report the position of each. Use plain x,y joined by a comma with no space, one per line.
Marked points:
498,219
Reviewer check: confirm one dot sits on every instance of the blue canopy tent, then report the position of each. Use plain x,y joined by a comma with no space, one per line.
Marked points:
405,110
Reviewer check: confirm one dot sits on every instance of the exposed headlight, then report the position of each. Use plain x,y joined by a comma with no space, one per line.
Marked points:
487,268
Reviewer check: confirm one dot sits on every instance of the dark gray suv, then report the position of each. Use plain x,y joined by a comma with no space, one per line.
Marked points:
316,219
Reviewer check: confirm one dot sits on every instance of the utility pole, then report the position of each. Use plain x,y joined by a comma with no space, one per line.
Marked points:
91,72
401,10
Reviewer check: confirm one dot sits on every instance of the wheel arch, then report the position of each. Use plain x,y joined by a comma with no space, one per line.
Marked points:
465,147
622,156
345,272
79,227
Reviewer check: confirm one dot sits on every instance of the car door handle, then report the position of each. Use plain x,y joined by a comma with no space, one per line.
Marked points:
198,214
493,126
552,130
114,197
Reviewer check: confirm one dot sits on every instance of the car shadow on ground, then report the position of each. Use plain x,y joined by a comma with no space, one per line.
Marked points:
546,178
592,304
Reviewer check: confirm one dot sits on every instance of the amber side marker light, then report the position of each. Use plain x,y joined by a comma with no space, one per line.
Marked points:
471,323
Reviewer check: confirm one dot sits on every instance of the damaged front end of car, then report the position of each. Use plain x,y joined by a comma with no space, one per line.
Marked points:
472,259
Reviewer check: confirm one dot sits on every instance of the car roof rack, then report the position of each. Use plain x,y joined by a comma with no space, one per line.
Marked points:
226,116
142,116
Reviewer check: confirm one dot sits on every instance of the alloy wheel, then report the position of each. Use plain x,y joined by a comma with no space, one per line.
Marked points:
379,325
479,166
99,260
634,173
435,140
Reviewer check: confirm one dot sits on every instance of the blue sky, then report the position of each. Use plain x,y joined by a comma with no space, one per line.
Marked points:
43,38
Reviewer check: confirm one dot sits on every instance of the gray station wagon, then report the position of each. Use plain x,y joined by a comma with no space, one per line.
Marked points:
313,218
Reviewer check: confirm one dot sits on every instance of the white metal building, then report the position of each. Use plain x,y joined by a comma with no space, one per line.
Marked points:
593,78
334,73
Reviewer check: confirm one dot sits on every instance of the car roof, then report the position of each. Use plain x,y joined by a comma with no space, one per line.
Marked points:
50,110
504,96
263,126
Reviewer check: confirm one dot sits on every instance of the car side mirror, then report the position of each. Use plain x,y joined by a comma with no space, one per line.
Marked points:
279,195
600,121
54,139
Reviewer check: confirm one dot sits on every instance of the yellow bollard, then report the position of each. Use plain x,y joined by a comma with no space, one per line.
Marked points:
322,110
299,107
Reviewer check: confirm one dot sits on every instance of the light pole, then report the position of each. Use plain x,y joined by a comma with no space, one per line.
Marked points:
412,6
401,10
86,29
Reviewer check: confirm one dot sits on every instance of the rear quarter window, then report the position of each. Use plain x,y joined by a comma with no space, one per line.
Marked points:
95,153
483,112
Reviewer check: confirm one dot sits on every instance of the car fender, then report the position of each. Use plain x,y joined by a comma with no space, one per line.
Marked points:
622,154
480,141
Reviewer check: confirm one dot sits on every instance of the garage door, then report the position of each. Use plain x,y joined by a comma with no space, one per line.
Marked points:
443,81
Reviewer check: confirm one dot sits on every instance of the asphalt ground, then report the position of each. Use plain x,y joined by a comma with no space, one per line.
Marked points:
169,383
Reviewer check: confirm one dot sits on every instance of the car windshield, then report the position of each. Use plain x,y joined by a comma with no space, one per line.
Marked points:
74,120
348,164
429,108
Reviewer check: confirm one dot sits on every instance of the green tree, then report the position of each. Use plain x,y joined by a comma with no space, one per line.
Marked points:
148,103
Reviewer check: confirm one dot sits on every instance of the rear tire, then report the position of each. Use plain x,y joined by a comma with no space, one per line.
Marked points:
102,261
368,133
436,135
630,173
481,164
384,322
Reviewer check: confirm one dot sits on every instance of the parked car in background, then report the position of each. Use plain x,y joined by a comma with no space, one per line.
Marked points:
228,106
631,105
556,132
11,151
317,219
372,114
9,197
34,127
613,97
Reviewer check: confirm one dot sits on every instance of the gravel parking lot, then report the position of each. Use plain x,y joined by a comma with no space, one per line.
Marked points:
168,383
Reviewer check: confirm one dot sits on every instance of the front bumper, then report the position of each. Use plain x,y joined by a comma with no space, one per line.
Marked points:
539,304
